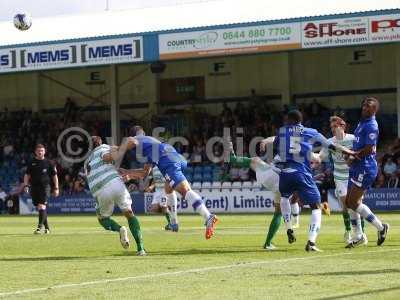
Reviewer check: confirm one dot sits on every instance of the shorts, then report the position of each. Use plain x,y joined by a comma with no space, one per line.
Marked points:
115,193
173,171
40,195
362,178
267,177
302,183
159,198
341,188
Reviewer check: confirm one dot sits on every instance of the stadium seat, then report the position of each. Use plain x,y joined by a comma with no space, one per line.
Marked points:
198,169
189,177
256,185
197,177
236,185
208,177
226,185
207,169
189,170
196,185
206,185
247,185
216,185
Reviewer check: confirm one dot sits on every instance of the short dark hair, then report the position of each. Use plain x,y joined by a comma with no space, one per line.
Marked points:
39,146
295,116
135,130
373,99
96,140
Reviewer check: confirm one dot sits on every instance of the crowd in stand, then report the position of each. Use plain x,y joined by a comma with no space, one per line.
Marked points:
21,130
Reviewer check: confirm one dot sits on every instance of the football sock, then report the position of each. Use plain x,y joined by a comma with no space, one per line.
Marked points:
273,228
172,201
362,224
295,208
366,213
315,225
168,217
42,217
355,223
346,220
109,224
286,212
197,203
240,161
134,226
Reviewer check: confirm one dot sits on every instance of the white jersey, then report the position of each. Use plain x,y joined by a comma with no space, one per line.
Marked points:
98,172
341,169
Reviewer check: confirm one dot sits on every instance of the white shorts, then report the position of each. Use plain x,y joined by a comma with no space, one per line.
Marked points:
268,178
341,188
159,198
115,193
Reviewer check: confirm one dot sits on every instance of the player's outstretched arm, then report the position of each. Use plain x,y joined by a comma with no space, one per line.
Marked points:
136,173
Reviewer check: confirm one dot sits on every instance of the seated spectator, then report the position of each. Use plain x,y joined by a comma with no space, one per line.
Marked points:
234,174
390,168
244,174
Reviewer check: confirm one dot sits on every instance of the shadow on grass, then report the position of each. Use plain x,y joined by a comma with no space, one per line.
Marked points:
344,273
206,252
368,292
43,258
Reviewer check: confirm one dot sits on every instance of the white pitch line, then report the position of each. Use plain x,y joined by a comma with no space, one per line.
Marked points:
133,278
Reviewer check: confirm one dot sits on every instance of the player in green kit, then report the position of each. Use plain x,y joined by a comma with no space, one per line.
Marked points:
109,190
341,169
267,175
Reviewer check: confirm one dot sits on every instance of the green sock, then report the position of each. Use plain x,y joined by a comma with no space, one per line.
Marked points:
168,217
362,224
109,224
346,220
273,228
134,226
240,161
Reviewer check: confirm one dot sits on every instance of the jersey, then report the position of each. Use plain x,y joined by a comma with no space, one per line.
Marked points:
364,171
40,171
170,163
152,151
340,167
98,172
294,145
366,133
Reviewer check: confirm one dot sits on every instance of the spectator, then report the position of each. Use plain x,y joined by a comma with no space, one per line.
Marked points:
3,197
390,168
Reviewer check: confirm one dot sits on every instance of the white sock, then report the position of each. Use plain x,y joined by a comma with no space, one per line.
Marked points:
193,198
172,202
315,225
368,215
295,212
286,212
355,220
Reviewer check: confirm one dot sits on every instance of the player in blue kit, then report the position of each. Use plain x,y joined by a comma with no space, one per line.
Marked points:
294,144
171,164
363,172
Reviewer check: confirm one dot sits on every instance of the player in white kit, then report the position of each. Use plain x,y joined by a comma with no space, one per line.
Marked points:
341,169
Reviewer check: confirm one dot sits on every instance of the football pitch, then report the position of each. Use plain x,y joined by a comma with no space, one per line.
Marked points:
80,260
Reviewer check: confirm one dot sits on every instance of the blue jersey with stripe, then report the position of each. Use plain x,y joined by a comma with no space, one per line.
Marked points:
152,151
366,133
294,144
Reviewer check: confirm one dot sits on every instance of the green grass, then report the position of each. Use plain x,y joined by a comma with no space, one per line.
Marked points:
232,265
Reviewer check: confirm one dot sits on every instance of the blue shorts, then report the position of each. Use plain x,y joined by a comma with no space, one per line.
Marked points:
303,184
362,178
172,170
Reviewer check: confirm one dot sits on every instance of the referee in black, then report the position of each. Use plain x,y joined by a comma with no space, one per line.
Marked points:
40,176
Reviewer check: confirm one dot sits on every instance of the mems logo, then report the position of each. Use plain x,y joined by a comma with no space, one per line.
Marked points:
131,50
